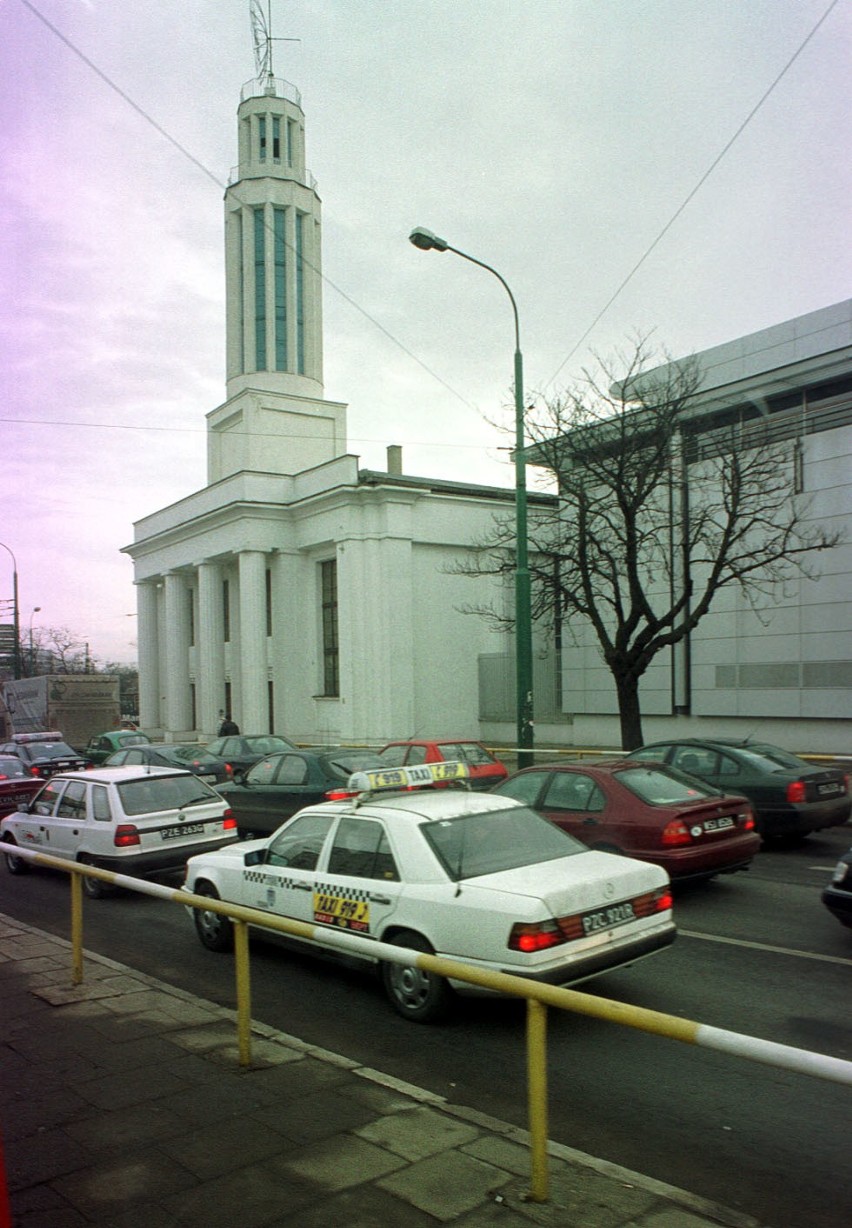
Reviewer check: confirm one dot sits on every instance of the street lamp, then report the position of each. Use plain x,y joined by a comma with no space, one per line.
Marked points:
426,241
16,628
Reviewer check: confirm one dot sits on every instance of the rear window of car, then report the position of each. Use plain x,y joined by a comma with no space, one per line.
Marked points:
153,793
50,750
660,788
466,752
770,758
497,840
11,767
342,766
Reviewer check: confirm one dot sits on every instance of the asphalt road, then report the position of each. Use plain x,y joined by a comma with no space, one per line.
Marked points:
756,953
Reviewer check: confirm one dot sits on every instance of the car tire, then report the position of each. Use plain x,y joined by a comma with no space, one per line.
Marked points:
419,996
95,888
215,931
15,865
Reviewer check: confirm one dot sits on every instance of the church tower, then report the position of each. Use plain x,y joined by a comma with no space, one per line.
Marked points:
275,419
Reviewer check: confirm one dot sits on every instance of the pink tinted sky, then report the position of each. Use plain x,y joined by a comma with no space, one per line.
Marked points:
553,139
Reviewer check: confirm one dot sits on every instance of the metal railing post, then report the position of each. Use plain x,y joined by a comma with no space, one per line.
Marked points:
537,1095
76,929
241,963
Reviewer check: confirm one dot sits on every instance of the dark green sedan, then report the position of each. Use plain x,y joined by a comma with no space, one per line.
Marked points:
790,796
279,785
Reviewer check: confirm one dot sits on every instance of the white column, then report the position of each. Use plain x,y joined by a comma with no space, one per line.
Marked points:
178,703
211,651
253,711
149,655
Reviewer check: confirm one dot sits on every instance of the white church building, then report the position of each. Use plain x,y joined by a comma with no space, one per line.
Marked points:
306,596
298,592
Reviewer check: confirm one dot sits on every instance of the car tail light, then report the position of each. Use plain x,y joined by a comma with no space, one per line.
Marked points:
746,820
229,822
126,834
676,832
339,795
796,791
34,771
539,936
88,767
229,771
542,935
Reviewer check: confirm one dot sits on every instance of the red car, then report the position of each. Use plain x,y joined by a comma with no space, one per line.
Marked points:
485,769
657,814
16,785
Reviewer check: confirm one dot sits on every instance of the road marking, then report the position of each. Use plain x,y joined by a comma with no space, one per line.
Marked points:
762,946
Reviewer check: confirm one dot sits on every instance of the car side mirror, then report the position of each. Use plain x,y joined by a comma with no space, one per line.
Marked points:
239,776
255,858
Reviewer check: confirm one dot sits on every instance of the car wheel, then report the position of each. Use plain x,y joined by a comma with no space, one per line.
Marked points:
15,865
215,930
417,995
96,888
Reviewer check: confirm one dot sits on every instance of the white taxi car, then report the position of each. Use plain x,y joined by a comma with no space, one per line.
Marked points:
469,876
131,820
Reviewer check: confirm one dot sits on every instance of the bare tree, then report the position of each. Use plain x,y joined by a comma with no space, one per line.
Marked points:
660,506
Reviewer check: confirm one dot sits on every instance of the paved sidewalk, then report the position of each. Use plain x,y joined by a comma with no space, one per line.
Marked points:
122,1104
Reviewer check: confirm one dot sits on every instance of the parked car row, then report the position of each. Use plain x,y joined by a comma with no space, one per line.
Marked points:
558,872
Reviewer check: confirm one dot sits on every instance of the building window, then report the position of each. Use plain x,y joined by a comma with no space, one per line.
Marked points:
268,602
330,644
270,705
300,294
261,136
276,139
291,141
280,252
228,709
259,291
226,611
191,612
193,719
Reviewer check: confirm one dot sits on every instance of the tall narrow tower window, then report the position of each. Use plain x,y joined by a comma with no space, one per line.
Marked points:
291,141
330,641
300,294
261,138
276,139
279,218
259,291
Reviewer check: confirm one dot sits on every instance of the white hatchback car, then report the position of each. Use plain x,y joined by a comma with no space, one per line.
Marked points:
470,876
131,820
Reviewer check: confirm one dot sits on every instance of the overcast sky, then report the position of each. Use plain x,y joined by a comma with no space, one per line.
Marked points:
553,139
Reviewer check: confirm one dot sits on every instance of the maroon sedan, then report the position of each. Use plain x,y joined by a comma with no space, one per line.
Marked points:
643,810
16,785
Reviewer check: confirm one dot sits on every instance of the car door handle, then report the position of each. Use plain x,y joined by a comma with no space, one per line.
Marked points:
591,822
302,886
380,899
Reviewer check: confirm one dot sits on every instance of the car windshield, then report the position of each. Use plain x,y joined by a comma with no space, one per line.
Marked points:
662,787
495,840
152,793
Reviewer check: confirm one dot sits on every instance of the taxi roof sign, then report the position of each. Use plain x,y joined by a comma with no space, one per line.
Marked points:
415,776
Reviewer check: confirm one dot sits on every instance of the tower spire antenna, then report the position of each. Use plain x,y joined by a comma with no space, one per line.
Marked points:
262,37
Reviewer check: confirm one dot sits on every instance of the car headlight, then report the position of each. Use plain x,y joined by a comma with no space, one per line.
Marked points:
840,871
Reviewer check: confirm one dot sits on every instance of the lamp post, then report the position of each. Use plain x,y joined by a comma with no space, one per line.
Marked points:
16,628
426,241
35,610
